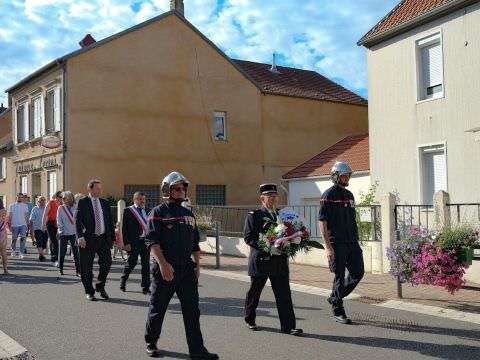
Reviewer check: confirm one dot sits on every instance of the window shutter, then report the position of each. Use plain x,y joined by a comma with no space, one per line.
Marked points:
4,168
42,116
26,121
439,172
432,65
56,109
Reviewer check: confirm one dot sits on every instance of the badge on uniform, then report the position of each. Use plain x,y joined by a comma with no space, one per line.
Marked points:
169,226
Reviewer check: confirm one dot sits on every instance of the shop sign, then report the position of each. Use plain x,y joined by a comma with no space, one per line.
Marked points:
51,141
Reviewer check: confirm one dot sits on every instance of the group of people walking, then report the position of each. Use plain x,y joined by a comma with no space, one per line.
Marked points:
169,234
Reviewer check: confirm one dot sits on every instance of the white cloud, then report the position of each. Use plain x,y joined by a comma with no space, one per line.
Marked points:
313,34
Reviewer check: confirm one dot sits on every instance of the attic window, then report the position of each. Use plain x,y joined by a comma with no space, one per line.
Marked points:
220,126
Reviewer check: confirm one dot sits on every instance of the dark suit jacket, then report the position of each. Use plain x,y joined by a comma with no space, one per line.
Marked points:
85,221
261,264
131,229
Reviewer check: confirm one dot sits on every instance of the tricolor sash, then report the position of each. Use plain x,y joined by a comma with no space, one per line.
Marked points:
141,221
3,225
69,214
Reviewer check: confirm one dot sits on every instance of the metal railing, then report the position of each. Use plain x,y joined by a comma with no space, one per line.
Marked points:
408,216
465,214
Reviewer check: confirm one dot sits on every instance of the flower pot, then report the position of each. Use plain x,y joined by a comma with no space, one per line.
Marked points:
465,255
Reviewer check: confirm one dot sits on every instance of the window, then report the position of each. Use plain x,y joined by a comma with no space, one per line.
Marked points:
219,126
23,185
430,67
22,123
51,183
3,169
433,171
210,194
52,120
152,193
37,109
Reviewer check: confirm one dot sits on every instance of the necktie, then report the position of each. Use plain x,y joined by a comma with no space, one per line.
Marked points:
98,225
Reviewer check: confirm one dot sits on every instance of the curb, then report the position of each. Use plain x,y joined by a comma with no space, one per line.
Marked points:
11,350
392,304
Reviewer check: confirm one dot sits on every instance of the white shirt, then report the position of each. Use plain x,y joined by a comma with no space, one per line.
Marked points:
18,213
100,213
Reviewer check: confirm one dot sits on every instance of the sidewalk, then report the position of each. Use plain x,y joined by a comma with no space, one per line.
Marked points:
373,289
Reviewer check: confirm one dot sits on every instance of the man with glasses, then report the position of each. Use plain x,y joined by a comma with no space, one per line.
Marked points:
40,236
172,240
262,266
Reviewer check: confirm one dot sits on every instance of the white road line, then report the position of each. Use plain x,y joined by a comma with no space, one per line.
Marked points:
393,304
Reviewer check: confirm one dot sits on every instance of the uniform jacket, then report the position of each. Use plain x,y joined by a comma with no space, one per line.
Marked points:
85,221
337,208
261,264
131,229
174,228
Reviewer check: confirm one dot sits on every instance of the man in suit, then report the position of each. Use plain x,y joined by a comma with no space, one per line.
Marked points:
262,266
134,230
96,234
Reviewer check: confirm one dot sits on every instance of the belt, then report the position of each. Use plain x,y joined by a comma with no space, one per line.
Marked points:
100,236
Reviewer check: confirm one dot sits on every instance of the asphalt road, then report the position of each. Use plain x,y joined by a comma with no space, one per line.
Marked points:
53,321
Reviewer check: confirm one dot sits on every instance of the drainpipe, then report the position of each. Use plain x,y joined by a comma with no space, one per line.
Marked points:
64,125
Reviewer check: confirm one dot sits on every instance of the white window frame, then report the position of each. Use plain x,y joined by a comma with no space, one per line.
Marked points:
421,150
24,184
51,183
420,45
223,116
38,117
3,168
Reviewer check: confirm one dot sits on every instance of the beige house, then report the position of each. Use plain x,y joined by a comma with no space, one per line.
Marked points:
424,72
6,153
159,97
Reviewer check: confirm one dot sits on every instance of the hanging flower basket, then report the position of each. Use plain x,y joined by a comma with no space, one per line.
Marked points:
465,255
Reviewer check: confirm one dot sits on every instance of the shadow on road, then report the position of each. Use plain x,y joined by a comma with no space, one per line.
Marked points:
439,351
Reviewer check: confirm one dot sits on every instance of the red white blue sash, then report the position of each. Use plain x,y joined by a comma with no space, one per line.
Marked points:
142,222
3,225
69,214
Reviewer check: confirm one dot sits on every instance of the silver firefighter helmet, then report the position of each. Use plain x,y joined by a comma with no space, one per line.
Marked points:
172,179
340,168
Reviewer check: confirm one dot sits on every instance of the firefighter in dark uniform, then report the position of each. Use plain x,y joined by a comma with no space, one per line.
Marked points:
340,234
172,240
262,266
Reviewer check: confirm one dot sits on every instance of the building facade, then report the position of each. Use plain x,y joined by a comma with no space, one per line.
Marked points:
423,100
160,97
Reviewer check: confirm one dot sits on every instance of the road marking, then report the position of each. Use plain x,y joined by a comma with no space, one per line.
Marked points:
293,286
393,304
9,347
432,310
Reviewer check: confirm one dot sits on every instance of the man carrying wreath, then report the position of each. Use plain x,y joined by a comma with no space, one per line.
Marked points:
263,266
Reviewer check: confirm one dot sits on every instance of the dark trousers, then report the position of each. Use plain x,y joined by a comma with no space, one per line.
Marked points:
139,249
52,234
100,247
283,298
349,256
64,240
185,285
41,238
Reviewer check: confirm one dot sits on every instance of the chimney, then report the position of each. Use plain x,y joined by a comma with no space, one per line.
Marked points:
274,69
178,6
87,40
2,109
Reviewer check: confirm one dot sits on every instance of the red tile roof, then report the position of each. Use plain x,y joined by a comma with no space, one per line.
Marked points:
352,149
297,82
404,11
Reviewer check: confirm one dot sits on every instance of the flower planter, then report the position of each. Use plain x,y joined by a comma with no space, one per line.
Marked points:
465,255
202,235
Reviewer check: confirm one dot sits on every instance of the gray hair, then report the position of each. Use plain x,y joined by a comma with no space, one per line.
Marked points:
68,195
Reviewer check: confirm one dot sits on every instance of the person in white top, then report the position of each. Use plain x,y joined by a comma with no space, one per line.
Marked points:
17,222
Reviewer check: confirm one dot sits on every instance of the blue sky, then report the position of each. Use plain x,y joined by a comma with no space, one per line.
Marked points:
318,35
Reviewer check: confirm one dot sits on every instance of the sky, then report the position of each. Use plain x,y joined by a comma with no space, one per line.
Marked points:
317,35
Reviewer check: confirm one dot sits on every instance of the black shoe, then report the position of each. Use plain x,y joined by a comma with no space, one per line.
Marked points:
342,319
152,350
123,286
252,326
294,332
90,297
330,300
103,294
203,354
145,291
78,274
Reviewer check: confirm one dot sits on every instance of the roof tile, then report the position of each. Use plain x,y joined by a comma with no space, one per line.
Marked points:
353,149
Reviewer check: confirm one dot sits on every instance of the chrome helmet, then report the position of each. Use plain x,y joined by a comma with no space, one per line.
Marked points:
172,179
340,168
